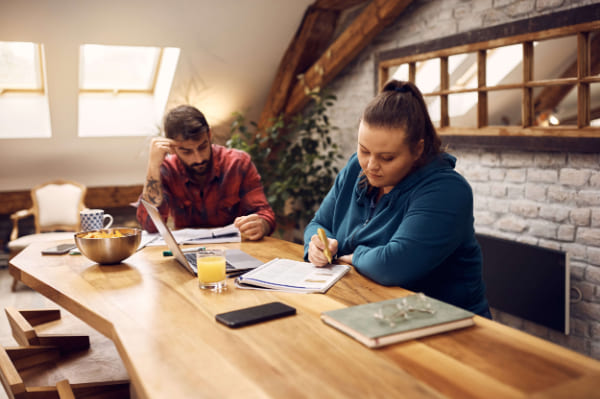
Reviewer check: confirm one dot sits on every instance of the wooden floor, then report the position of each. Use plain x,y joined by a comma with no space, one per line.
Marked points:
23,298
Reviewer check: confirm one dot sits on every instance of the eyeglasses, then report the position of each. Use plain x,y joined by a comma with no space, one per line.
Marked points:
398,312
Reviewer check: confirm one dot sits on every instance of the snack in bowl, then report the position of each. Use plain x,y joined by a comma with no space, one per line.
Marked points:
108,246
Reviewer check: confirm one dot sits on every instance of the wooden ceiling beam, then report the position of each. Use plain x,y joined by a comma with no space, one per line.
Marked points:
374,18
312,38
338,5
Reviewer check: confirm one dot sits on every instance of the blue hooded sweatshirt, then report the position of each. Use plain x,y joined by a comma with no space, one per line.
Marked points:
419,236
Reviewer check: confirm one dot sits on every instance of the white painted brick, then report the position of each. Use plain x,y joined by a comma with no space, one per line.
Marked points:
517,159
498,190
549,244
587,310
577,269
482,5
524,208
566,232
476,174
481,188
596,217
497,174
580,160
480,203
595,330
574,177
515,191
593,255
520,8
484,218
516,175
542,175
576,251
595,179
580,327
543,229
555,213
490,159
536,192
528,240
543,4
587,198
592,274
510,223
588,236
498,205
580,216
494,17
550,159
560,194
586,288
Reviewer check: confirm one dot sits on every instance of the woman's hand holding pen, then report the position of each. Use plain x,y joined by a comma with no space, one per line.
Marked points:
316,248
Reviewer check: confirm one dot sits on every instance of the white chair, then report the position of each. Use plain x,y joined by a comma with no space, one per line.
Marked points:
55,211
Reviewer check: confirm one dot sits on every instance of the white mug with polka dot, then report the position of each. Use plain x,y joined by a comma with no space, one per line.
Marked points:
95,219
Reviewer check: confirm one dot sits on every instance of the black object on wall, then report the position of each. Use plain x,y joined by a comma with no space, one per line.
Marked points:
527,281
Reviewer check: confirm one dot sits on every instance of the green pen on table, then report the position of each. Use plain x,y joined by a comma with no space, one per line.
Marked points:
169,253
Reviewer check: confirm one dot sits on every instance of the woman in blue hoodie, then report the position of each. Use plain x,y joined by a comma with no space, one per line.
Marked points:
398,211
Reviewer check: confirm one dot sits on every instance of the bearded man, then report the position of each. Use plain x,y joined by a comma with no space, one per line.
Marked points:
201,184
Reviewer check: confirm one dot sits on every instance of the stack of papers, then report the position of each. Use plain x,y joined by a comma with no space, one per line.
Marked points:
228,233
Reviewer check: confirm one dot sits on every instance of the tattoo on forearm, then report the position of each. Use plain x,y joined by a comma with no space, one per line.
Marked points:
153,192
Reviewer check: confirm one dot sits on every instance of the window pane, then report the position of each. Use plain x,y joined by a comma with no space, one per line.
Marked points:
117,67
503,65
504,107
462,109
399,73
428,75
555,58
463,71
19,66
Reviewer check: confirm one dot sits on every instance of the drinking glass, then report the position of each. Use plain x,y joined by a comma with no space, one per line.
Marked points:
211,269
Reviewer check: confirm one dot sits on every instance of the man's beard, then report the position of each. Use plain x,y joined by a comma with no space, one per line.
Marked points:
199,170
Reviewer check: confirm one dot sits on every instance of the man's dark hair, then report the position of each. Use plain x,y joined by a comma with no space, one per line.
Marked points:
185,123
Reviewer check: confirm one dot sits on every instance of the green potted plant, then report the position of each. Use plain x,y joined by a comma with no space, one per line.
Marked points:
296,158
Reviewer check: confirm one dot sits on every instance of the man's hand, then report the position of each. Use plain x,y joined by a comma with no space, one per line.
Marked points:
159,148
252,227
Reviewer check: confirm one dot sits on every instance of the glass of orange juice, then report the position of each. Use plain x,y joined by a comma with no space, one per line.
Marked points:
211,269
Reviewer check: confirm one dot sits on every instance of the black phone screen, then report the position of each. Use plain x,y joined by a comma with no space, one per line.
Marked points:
255,314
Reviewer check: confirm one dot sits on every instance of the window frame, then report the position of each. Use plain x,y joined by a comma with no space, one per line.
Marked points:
117,91
40,69
581,137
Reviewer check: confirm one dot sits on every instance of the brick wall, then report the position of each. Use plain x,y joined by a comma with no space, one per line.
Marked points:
546,199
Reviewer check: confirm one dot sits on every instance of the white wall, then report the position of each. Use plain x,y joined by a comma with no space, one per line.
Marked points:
230,51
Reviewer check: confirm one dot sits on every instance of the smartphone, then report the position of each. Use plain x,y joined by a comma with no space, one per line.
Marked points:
255,314
59,249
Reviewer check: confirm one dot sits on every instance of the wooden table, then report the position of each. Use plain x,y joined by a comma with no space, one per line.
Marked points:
164,329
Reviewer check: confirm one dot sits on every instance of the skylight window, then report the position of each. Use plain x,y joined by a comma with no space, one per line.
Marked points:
123,90
20,67
24,111
118,68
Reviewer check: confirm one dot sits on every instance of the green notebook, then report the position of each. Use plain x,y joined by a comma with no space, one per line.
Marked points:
382,323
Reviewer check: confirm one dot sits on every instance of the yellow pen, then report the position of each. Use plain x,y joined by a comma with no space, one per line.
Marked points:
325,241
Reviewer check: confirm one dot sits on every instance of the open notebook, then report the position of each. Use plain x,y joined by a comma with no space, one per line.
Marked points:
237,260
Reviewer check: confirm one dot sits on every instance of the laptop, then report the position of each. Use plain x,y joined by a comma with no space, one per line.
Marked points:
236,259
